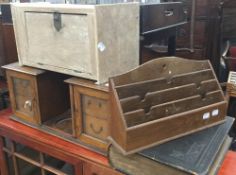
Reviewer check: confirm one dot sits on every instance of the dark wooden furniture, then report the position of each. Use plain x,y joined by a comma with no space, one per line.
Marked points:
2,55
164,99
228,38
36,95
24,149
228,26
199,38
8,37
91,112
158,27
228,51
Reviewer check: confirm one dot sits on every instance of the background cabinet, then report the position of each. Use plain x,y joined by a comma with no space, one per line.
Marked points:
8,52
199,38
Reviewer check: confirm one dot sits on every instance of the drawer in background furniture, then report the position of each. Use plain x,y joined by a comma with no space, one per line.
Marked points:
197,54
200,35
202,7
229,27
158,16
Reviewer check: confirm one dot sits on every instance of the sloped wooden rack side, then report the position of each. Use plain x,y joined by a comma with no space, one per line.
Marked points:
163,99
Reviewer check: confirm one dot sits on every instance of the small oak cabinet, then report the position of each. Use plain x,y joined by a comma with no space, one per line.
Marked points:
36,95
90,111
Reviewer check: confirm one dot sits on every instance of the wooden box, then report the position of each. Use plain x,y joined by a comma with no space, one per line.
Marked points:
162,100
89,41
36,95
90,111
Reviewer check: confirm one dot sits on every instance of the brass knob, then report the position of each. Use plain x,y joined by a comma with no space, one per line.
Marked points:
28,105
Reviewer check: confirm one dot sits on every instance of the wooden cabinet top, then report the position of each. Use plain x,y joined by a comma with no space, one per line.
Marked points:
23,69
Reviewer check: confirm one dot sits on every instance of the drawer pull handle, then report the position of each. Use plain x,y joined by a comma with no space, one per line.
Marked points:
28,105
169,13
94,130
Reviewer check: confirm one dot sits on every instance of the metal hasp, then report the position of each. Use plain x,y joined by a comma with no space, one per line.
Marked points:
57,21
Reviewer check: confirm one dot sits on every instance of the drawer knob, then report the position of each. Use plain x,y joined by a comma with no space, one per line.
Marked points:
28,105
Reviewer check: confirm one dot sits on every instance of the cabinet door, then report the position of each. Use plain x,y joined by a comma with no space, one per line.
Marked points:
23,96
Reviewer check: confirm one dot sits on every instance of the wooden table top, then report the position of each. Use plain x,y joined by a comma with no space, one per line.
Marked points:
228,166
16,130
8,126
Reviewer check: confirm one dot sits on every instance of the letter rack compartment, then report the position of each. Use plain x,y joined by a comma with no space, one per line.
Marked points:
164,99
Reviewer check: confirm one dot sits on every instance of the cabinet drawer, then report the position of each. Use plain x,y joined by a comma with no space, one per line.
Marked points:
205,8
228,26
31,93
159,16
95,107
91,112
183,40
202,7
91,169
96,127
23,97
198,54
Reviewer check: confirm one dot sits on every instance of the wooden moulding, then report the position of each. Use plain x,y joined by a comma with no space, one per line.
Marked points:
164,99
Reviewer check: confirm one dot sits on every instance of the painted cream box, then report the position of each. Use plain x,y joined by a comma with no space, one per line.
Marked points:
89,41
